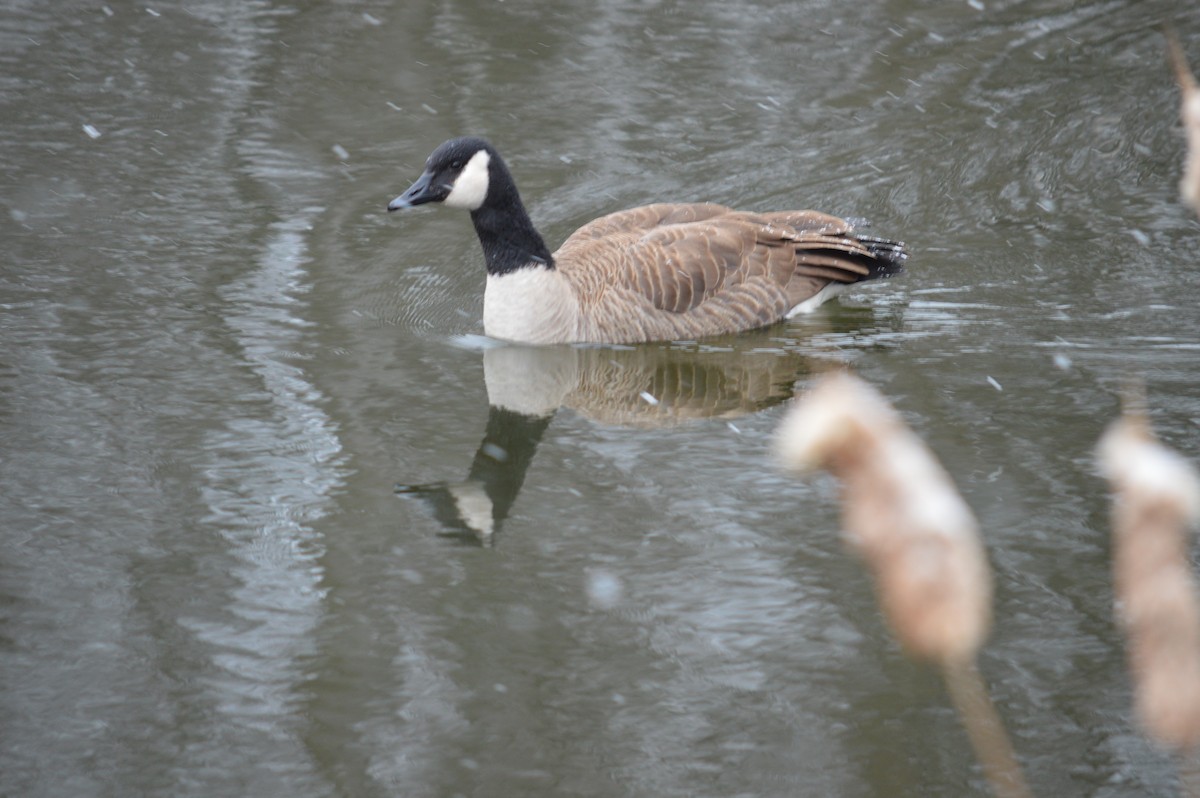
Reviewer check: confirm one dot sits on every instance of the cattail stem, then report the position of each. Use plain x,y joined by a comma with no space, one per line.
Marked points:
985,730
1178,62
1189,112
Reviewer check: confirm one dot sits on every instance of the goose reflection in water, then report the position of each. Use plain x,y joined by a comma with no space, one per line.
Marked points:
647,386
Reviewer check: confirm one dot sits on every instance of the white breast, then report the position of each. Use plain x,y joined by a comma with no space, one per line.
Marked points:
531,305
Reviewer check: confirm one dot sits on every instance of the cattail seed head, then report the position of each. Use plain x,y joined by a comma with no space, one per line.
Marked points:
1156,498
901,512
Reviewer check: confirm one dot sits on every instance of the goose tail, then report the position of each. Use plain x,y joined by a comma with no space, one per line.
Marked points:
887,257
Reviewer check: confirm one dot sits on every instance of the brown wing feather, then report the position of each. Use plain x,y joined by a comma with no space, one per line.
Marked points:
684,265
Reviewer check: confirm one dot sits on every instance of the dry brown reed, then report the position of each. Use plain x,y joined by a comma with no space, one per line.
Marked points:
1156,499
902,513
1189,111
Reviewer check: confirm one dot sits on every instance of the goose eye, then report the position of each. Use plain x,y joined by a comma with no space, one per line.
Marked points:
456,163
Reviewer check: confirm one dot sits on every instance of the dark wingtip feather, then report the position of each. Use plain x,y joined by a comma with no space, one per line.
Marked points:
887,256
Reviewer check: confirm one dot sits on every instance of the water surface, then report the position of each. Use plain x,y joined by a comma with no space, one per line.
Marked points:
220,356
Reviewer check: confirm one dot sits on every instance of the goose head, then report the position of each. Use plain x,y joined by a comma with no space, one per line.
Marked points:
457,174
468,173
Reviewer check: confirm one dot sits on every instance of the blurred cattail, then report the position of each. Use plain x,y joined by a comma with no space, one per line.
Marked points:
1189,110
901,512
1156,499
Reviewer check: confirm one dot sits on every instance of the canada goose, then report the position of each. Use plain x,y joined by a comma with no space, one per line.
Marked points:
657,272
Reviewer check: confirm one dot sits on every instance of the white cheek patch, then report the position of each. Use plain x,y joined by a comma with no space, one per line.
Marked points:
471,188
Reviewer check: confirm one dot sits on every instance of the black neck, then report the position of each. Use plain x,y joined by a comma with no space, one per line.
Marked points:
505,231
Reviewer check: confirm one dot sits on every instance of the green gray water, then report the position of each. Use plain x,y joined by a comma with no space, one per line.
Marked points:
219,355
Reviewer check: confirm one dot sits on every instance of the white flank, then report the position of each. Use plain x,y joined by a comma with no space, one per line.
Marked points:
816,300
533,305
471,187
